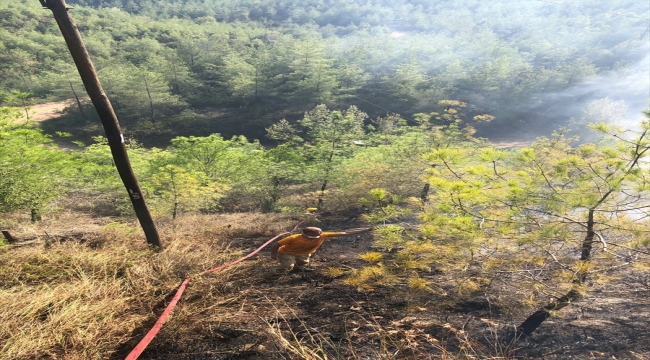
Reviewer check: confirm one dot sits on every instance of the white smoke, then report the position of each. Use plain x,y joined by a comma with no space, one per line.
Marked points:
617,97
626,89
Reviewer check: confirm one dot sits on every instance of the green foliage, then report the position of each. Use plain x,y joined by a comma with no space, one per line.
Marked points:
138,93
32,173
510,209
215,55
251,175
333,127
174,190
218,158
378,194
370,276
96,175
331,135
389,237
283,132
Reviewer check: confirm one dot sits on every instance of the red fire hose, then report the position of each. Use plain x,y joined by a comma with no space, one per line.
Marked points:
135,353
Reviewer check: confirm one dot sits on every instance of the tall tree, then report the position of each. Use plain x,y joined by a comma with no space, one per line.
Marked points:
106,114
332,133
311,80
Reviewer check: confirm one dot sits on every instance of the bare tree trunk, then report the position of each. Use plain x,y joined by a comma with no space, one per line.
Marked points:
538,317
151,114
321,196
570,80
257,83
106,114
25,108
81,110
318,82
588,242
175,209
176,86
546,86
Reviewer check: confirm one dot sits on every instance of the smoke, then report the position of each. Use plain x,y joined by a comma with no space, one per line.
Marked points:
617,97
630,87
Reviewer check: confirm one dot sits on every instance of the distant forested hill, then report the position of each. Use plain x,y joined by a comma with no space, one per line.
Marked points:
414,14
239,66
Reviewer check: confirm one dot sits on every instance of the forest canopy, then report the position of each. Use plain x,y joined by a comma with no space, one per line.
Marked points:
236,67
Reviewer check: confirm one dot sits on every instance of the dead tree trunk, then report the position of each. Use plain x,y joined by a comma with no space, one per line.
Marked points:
7,235
106,114
25,108
176,86
538,317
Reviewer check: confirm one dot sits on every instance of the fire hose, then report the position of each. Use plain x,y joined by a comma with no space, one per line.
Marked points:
142,345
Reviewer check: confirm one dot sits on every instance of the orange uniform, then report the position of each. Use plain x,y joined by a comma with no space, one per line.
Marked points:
300,245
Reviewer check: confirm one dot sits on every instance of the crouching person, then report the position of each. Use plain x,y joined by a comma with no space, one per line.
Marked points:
297,249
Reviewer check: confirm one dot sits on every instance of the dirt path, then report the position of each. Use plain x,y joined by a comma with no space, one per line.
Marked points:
45,111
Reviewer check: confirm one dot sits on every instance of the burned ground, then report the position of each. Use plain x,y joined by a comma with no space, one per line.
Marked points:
320,317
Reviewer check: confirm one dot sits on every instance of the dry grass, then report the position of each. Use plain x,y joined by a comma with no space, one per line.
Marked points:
96,299
366,338
73,301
